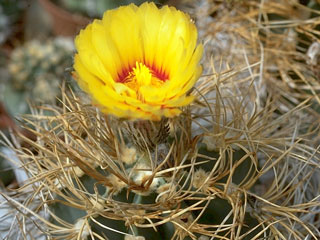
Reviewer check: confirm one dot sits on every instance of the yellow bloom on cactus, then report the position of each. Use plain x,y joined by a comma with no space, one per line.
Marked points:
139,62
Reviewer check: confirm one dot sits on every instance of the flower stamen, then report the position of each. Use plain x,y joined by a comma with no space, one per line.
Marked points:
141,75
126,75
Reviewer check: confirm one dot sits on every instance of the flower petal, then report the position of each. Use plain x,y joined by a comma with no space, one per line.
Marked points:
139,62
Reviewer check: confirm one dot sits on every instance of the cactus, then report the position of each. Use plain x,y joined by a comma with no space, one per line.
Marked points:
240,162
37,70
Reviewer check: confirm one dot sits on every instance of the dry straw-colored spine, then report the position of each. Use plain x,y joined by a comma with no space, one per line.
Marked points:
242,162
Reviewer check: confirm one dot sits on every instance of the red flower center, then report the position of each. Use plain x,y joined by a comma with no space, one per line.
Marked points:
126,73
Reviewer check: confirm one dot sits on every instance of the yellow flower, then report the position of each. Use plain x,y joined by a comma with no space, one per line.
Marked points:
139,62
